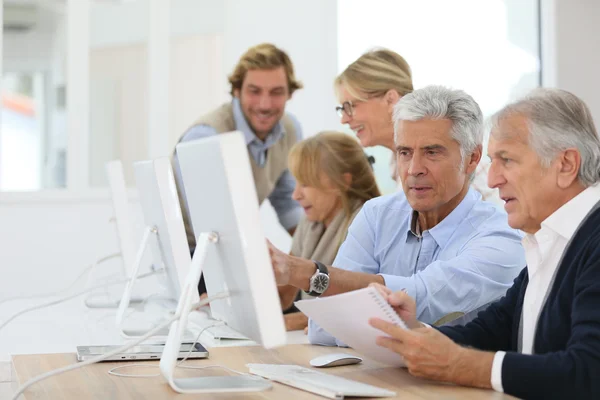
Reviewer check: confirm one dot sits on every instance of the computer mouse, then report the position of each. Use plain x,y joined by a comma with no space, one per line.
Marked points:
334,360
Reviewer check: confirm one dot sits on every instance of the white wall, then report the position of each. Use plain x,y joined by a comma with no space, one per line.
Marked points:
45,244
308,33
571,49
188,17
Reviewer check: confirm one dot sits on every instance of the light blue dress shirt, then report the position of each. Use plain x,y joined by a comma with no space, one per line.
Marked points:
463,263
288,210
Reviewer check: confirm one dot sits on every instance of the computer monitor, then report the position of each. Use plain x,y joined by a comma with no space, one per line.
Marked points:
121,213
224,211
164,232
121,218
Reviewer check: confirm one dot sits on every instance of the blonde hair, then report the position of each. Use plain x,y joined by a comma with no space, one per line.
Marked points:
335,154
374,73
263,56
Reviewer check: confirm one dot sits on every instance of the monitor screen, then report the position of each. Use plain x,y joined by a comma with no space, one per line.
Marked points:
161,211
222,198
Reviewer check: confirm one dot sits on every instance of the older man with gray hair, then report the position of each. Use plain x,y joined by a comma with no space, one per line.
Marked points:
542,340
439,242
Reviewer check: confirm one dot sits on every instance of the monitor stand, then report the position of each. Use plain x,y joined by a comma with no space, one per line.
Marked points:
168,360
101,301
126,298
155,312
156,307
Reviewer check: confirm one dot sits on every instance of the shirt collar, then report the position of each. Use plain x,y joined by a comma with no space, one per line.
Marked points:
567,218
413,224
249,135
442,232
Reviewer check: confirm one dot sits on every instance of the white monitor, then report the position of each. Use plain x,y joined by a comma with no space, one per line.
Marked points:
222,201
161,210
164,233
121,213
122,219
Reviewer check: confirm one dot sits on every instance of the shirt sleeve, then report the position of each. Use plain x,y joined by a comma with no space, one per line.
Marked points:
481,273
497,371
288,210
318,336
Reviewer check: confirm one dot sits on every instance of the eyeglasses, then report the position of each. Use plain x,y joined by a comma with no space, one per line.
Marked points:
347,107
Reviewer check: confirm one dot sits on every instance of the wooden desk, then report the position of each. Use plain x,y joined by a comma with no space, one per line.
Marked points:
93,382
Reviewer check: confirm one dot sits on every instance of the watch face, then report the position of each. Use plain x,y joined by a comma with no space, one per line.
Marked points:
320,283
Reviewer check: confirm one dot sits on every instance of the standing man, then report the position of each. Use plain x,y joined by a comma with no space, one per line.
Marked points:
261,84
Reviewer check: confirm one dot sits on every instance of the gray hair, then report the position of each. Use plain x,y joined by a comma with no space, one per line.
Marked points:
558,120
439,102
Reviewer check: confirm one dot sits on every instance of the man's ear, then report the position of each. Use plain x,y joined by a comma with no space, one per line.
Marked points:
569,163
236,93
473,160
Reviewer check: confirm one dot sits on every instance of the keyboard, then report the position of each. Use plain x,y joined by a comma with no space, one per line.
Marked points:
310,380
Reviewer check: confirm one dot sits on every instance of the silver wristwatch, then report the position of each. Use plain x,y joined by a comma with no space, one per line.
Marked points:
319,282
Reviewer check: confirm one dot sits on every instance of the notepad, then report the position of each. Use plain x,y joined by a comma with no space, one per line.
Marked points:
346,317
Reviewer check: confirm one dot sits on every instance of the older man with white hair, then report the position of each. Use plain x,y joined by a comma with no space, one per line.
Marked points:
542,340
438,241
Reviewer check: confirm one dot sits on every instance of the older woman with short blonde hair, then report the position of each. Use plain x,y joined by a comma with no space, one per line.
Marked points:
334,179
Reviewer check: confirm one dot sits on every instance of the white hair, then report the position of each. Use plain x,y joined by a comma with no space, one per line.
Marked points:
558,120
439,102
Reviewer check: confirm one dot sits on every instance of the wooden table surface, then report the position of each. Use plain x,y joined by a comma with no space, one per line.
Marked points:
94,382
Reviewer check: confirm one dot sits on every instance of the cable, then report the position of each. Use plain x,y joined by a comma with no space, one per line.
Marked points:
121,349
179,364
71,367
218,323
133,308
111,305
62,300
58,292
113,373
112,370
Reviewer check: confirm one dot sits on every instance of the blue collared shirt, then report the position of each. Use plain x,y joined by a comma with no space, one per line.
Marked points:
287,209
463,263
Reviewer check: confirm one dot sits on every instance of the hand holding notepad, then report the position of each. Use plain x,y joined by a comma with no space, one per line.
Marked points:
346,317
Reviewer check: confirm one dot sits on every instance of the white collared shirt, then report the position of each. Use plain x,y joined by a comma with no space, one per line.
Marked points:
543,251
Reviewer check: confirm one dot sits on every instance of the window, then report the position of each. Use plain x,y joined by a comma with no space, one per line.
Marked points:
33,140
32,145
116,80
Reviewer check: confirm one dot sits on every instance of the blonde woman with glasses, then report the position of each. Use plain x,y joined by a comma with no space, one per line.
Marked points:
367,91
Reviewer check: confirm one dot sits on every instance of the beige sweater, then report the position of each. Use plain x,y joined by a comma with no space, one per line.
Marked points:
315,242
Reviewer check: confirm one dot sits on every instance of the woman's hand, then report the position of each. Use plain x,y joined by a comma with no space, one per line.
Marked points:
281,264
